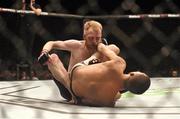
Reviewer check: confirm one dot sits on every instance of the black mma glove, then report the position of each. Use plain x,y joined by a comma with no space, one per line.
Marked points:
43,58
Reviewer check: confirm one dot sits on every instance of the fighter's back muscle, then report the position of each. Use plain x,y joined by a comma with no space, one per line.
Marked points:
98,73
98,82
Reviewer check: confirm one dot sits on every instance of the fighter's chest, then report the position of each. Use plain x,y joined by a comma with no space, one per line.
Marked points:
83,54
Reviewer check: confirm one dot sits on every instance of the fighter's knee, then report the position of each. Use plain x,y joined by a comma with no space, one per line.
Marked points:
53,58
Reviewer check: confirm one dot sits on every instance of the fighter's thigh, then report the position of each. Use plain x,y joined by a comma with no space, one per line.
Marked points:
54,60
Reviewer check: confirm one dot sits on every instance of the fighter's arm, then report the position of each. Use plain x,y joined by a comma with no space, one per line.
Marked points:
100,57
67,45
113,48
110,53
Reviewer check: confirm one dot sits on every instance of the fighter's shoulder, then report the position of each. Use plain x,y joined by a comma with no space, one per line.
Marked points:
74,41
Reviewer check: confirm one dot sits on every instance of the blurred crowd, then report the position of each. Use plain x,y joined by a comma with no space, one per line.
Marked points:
10,71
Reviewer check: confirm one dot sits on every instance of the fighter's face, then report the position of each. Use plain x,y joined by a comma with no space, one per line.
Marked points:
93,37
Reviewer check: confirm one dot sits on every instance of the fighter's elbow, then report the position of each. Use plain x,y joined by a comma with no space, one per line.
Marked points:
114,48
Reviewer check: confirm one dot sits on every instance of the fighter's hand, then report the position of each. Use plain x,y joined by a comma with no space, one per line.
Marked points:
43,58
35,7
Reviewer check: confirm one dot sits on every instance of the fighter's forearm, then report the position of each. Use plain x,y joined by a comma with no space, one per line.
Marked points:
48,46
103,50
107,52
112,47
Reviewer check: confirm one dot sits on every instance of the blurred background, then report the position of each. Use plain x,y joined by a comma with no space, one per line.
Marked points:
148,45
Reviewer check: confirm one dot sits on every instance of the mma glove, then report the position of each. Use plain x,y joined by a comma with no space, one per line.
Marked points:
43,58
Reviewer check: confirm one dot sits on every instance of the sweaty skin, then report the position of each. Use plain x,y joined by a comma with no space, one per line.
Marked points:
79,49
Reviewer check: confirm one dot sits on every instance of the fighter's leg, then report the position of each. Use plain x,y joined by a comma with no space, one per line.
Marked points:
60,74
57,69
63,90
